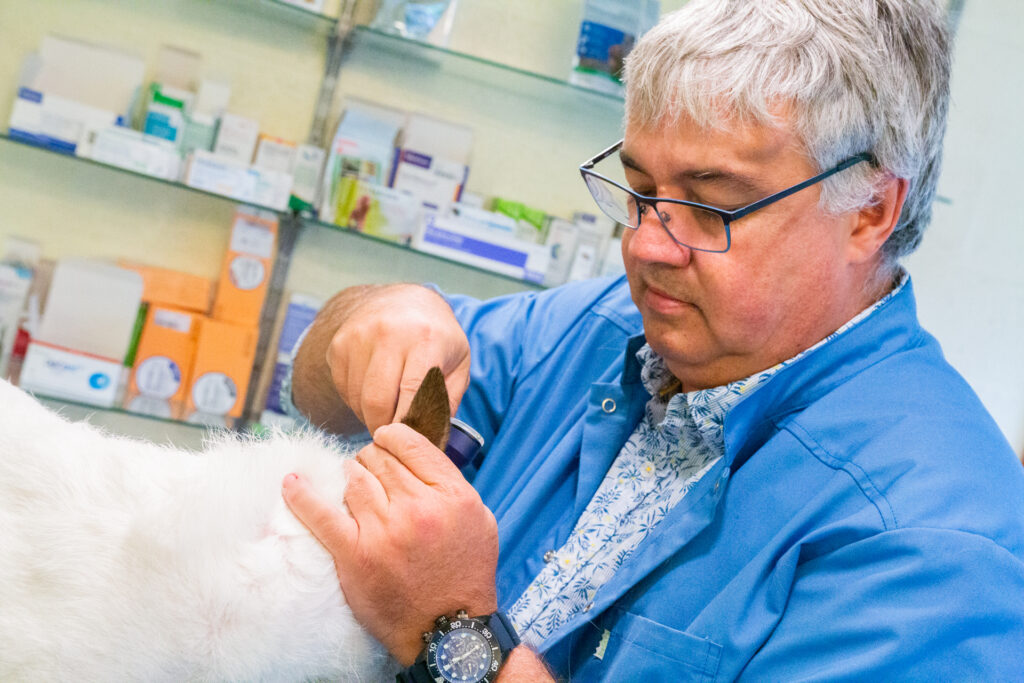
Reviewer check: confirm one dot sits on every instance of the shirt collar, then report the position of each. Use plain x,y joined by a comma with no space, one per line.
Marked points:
707,408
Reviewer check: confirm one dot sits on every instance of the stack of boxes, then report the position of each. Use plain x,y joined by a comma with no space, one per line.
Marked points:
194,360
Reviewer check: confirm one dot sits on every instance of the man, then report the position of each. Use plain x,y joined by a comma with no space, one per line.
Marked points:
749,460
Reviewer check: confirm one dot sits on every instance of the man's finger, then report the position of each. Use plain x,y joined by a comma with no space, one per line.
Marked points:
412,449
379,392
389,470
365,495
335,529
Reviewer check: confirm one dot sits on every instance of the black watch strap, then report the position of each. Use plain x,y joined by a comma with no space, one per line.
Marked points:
503,632
417,673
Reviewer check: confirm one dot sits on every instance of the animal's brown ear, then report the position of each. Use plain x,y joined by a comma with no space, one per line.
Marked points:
430,413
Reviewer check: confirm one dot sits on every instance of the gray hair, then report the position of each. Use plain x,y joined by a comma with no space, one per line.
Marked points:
860,75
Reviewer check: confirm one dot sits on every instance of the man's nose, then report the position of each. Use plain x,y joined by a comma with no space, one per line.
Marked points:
651,241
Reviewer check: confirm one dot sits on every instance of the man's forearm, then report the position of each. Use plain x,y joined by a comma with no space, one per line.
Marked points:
524,666
313,390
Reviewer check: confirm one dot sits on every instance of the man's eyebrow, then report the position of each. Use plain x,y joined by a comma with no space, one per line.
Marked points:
704,176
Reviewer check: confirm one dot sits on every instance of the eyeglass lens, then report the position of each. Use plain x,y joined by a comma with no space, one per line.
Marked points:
688,225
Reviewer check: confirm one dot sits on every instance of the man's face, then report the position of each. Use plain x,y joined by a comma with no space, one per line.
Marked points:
784,284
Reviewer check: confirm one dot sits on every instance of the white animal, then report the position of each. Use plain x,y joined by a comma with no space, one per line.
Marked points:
122,560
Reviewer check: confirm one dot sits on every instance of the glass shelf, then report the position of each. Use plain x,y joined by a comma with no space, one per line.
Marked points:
99,164
412,250
365,37
306,219
289,9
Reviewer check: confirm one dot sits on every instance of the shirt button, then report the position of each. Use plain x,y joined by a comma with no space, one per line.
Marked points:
608,405
549,556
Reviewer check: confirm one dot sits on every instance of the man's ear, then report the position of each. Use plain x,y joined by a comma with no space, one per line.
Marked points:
874,223
429,411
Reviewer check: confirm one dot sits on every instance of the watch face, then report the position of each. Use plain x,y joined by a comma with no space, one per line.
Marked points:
463,655
464,651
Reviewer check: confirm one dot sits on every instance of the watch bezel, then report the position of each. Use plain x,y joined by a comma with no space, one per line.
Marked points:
474,624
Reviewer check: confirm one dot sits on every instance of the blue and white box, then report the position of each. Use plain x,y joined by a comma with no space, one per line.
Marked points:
469,242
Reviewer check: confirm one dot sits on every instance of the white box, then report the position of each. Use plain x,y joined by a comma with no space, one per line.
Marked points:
15,282
94,75
236,138
135,151
211,173
467,242
55,122
63,373
561,240
435,181
275,154
433,161
309,165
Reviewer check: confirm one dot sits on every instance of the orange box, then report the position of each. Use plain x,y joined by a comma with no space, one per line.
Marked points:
163,362
220,375
245,275
173,288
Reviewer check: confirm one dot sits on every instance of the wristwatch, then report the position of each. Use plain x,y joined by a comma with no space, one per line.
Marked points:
463,650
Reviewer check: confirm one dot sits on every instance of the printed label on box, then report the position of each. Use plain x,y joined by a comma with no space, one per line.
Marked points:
249,237
158,377
214,393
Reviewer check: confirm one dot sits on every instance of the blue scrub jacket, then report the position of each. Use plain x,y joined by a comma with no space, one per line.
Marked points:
866,522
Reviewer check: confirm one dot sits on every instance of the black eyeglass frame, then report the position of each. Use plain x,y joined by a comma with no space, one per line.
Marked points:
586,168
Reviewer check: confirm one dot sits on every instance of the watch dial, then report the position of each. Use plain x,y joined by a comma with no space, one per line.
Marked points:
463,655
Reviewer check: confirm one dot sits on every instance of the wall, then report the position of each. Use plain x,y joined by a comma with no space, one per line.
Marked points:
967,272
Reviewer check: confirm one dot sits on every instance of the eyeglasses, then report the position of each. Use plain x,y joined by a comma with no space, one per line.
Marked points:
689,224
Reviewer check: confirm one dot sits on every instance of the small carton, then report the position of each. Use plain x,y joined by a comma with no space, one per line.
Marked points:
245,275
236,138
275,154
432,162
295,318
220,374
476,243
163,362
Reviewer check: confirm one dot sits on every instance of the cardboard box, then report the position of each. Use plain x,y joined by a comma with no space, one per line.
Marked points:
55,122
275,154
79,347
220,374
362,148
172,288
433,161
236,138
211,173
163,362
295,316
245,274
135,151
478,245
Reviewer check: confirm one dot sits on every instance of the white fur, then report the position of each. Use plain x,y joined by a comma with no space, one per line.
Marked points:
123,560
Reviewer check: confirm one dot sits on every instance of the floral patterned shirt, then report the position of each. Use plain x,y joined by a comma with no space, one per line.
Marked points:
679,439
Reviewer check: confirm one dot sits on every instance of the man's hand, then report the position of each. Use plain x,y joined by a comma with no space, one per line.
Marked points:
368,351
419,541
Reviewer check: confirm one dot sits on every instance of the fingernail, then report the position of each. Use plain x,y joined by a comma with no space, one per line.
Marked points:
290,479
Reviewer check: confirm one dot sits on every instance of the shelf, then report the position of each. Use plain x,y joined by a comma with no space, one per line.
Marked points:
365,37
288,9
305,219
5,136
411,250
